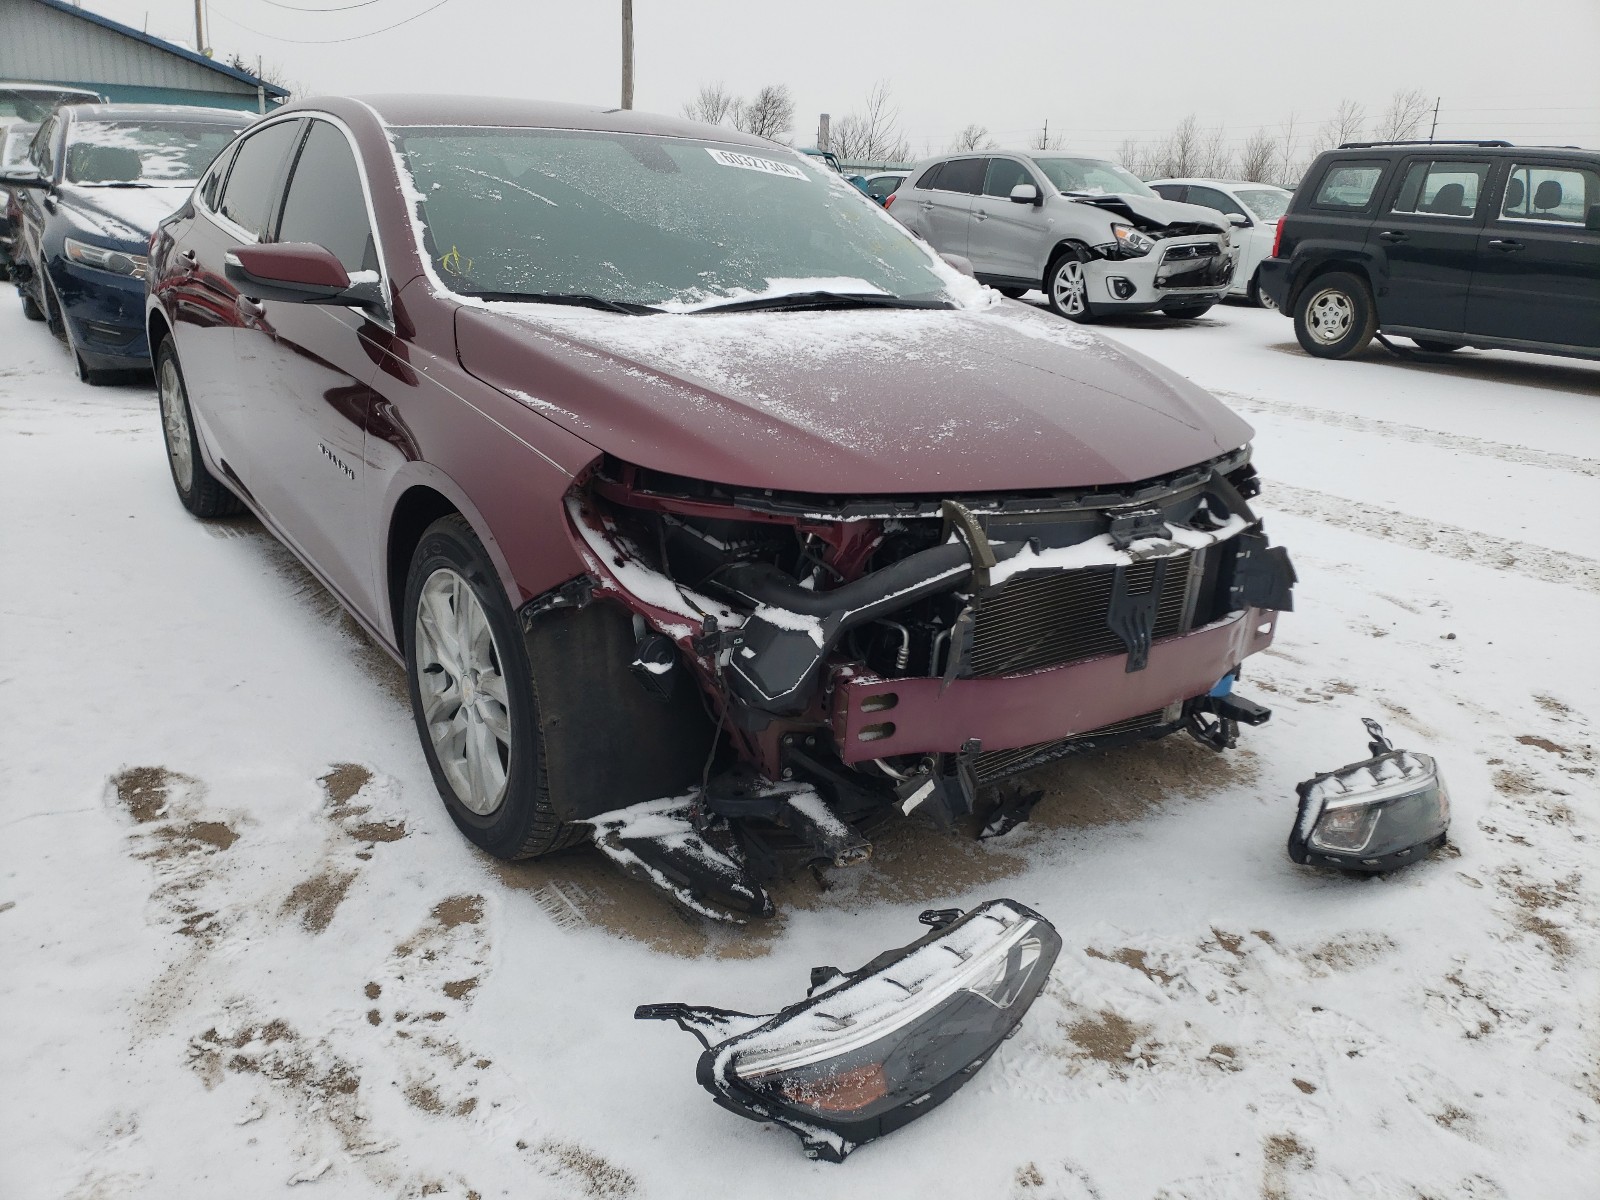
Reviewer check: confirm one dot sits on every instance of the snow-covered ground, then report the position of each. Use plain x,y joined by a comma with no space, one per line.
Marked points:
242,947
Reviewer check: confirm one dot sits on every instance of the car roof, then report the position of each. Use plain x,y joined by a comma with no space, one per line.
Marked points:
167,112
8,85
1224,183
1497,148
402,109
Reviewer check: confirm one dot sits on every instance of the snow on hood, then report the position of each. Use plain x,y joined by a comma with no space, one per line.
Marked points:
127,214
1000,397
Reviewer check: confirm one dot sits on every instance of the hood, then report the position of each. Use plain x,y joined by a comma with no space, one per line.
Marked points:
1156,212
124,214
997,398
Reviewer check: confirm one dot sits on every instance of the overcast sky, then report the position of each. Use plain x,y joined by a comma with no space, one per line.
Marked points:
1100,72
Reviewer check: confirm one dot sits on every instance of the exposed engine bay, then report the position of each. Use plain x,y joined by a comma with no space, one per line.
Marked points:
855,658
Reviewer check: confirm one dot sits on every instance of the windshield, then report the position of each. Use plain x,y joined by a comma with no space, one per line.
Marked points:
1268,204
14,144
1092,176
151,153
671,223
34,104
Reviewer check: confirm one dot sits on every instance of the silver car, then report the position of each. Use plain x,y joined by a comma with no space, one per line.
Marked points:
1087,232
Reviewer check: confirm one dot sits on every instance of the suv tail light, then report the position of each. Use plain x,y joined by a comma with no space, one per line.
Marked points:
1277,238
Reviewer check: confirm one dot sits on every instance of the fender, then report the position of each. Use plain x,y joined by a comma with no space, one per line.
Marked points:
1314,257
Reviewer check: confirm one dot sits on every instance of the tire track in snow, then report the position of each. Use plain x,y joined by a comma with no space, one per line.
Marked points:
1396,431
1483,549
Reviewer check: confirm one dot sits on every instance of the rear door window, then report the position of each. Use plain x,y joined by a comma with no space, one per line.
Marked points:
325,204
1560,195
1170,191
1003,175
1442,188
1348,185
929,178
252,188
963,175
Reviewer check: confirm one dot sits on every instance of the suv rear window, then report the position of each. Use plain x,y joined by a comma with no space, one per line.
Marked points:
1442,189
1348,185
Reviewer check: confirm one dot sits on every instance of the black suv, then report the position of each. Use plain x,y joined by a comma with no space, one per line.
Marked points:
1449,244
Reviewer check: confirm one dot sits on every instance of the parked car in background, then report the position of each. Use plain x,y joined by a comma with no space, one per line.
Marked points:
97,180
882,184
1087,232
22,107
859,182
631,438
1450,244
1253,209
14,142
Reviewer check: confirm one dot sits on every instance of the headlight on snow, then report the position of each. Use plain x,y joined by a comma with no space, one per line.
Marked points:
1130,242
871,1051
101,259
1374,815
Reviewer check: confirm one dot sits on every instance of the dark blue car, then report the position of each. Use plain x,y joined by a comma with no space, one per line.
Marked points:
99,178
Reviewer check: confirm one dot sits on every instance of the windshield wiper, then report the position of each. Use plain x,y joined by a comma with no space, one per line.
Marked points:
803,300
577,299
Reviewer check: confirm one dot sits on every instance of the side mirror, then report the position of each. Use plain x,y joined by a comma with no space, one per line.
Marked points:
1025,193
23,179
299,273
1592,222
1239,221
964,265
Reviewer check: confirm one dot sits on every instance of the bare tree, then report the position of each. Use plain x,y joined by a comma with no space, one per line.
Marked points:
1346,125
1403,117
974,137
1213,159
1045,140
769,114
1138,158
269,73
1255,159
872,134
713,104
1287,167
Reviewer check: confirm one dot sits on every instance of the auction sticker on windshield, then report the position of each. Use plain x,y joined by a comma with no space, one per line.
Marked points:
750,162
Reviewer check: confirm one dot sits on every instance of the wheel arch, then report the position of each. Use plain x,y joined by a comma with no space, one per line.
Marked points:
1326,266
1062,244
418,507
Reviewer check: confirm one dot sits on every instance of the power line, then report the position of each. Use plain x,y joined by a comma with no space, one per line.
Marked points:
329,41
341,8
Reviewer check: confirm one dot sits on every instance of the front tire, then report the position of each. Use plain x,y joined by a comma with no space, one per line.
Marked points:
1066,286
1012,293
1436,347
30,307
1258,297
1335,316
473,698
1188,314
201,492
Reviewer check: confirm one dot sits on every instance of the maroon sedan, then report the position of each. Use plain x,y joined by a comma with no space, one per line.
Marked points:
711,514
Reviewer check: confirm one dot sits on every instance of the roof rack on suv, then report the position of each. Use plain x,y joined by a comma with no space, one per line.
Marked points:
1422,142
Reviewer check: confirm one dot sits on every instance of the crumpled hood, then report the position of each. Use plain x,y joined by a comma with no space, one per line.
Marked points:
1158,211
124,214
997,398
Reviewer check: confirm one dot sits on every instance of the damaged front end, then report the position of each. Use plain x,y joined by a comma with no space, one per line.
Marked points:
863,657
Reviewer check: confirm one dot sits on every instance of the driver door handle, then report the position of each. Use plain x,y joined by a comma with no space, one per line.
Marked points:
980,215
1393,235
1506,245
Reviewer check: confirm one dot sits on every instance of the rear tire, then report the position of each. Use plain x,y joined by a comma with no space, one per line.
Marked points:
1012,293
474,699
1436,347
1258,297
30,307
1335,316
1066,286
201,492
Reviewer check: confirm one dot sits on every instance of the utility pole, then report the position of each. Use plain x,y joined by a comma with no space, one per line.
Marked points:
200,27
1435,128
822,133
1044,140
627,53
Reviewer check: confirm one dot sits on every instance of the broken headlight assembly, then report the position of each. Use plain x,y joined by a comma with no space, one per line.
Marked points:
1374,815
868,1052
1130,242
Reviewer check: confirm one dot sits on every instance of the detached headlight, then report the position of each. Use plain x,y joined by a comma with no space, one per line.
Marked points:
871,1051
1130,242
1375,815
115,261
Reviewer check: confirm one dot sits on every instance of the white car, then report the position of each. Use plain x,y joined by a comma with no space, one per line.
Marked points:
1254,209
1082,229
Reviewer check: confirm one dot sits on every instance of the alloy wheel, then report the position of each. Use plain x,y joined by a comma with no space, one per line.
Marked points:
175,423
463,691
1070,288
1330,316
